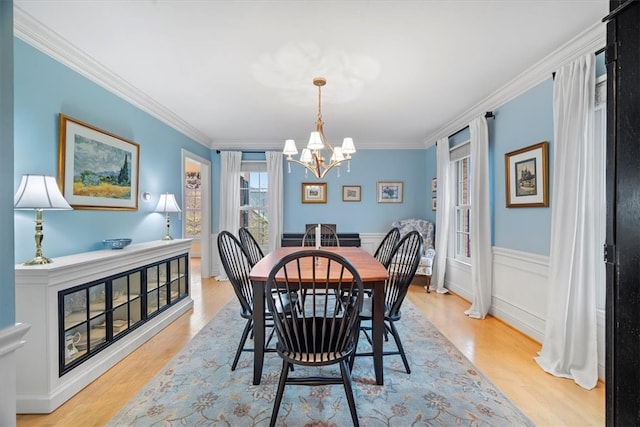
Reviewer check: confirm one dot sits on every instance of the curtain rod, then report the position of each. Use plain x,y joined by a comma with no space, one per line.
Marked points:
487,115
245,151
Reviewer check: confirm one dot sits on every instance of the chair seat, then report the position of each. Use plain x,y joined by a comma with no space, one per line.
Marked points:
316,358
367,310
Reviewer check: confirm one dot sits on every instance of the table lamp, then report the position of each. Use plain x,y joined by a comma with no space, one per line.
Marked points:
167,204
39,192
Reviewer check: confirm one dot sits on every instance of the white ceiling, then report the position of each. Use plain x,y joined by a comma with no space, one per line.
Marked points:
238,74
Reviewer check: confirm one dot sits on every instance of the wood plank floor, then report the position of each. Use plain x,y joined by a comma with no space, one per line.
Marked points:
500,352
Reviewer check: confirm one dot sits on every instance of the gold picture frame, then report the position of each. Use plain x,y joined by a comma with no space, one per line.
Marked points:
314,192
527,176
389,191
351,193
96,169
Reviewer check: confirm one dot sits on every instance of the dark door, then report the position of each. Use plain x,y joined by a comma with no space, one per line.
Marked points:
623,214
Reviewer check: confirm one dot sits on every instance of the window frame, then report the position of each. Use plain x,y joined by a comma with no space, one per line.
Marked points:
248,167
460,157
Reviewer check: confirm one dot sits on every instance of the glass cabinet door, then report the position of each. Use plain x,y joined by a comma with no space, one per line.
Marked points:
135,297
153,280
75,317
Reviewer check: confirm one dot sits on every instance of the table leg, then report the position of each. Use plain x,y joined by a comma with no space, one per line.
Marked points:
258,330
377,331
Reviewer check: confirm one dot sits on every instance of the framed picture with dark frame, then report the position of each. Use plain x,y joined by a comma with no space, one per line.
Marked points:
389,191
434,185
96,169
313,192
527,176
433,203
351,193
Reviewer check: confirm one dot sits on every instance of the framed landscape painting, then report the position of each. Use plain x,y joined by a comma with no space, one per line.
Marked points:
527,176
97,170
389,191
314,192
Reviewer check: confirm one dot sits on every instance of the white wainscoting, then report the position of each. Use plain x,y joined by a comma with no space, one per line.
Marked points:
520,290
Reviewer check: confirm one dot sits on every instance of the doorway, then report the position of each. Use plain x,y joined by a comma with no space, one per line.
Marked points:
196,199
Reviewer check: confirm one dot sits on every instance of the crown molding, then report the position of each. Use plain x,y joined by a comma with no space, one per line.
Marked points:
590,40
269,145
36,34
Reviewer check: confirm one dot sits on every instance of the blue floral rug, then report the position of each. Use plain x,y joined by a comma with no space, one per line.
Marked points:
198,388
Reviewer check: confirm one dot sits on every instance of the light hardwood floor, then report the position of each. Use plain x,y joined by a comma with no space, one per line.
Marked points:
500,352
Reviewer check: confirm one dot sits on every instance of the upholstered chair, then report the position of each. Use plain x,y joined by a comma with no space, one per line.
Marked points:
427,231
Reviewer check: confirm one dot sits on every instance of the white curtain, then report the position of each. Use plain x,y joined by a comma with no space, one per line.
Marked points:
230,163
275,197
443,213
569,347
480,221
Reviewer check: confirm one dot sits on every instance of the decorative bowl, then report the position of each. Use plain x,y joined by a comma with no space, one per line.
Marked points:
116,243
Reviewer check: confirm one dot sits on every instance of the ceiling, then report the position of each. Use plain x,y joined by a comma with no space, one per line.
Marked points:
238,74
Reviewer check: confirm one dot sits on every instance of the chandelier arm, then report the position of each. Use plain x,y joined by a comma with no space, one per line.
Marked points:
317,172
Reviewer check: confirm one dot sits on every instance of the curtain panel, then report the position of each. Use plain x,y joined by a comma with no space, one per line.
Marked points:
569,347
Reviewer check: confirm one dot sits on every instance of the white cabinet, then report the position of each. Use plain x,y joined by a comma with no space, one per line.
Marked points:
88,311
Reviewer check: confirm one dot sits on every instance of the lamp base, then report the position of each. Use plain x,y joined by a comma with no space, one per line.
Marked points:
167,237
38,260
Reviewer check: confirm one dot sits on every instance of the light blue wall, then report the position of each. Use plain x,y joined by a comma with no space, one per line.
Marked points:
43,89
7,281
524,121
367,216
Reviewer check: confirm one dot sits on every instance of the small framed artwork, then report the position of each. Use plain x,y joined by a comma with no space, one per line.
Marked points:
434,185
96,169
433,203
527,176
314,192
351,193
389,191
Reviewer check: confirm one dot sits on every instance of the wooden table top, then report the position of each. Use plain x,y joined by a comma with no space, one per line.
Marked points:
368,267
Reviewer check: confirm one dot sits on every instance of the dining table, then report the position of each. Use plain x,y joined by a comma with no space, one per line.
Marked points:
372,273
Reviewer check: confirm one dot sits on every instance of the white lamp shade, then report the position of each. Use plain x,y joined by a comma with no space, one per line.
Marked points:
347,146
306,156
337,155
290,147
167,203
39,192
315,142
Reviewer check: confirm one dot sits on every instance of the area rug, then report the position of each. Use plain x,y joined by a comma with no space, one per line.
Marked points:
198,388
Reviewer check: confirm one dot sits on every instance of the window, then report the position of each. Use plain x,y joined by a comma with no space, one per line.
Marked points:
253,200
192,204
461,161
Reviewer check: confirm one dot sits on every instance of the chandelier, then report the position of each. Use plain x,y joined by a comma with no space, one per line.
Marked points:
319,156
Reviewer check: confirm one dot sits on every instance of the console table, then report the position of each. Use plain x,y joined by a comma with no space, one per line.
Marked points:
88,311
295,239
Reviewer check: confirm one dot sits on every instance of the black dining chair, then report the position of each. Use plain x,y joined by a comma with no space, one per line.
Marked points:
328,236
250,245
322,329
237,266
402,268
385,249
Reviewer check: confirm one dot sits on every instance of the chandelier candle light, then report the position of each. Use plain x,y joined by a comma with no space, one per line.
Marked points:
40,193
167,204
319,156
